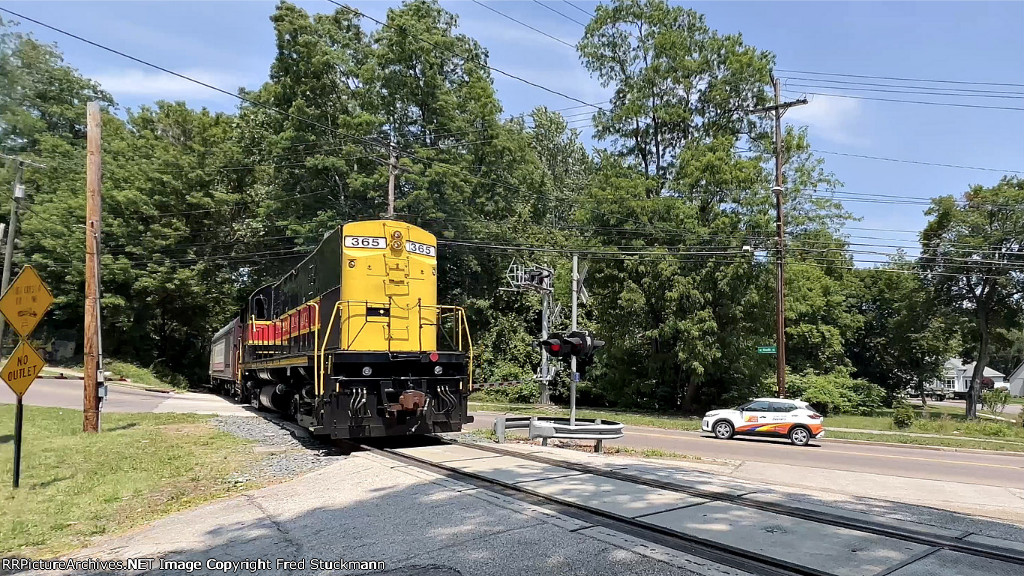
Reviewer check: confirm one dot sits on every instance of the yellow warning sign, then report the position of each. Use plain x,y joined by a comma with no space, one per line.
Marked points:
25,301
22,368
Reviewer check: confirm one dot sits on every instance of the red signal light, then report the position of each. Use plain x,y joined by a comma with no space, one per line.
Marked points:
434,356
556,347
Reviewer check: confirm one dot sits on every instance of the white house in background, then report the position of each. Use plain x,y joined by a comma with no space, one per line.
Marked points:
956,376
1016,381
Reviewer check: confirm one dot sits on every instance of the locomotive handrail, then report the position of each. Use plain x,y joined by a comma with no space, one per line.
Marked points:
461,323
316,340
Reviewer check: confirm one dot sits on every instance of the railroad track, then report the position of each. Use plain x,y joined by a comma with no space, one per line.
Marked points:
905,534
736,557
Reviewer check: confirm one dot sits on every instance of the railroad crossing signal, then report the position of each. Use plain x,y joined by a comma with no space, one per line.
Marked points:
580,344
22,368
25,301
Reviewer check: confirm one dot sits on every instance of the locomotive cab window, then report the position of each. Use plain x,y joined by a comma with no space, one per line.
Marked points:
260,308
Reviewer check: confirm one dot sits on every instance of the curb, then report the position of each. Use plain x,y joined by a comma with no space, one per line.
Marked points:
61,376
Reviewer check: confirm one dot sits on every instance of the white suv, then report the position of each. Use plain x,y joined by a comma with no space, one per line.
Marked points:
774,417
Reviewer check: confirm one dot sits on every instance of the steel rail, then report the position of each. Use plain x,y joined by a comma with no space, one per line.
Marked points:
735,557
905,534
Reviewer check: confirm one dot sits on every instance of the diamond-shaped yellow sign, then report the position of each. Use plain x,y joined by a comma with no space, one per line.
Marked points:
25,301
22,368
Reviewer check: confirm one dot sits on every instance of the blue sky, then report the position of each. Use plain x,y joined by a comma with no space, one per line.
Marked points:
231,44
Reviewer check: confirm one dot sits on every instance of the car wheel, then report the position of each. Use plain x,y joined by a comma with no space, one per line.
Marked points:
799,436
723,430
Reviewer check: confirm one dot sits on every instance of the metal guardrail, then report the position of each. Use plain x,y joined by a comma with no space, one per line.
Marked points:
545,427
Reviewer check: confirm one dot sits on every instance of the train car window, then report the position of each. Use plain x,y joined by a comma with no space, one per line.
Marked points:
260,310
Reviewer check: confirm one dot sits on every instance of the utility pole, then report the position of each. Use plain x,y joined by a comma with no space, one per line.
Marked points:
545,390
392,162
93,216
779,108
12,230
572,360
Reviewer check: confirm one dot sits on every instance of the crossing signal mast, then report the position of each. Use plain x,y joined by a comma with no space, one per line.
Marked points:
523,277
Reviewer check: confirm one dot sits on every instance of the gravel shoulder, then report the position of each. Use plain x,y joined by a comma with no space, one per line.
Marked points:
279,455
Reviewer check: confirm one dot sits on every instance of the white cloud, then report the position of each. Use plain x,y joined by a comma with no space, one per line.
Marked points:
831,118
157,85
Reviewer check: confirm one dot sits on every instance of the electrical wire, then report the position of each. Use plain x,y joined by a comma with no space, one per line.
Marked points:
521,23
560,13
488,66
902,79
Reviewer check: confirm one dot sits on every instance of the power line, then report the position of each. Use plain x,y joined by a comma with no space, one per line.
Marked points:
587,12
560,13
902,79
956,104
904,161
917,92
952,91
521,23
488,66
364,139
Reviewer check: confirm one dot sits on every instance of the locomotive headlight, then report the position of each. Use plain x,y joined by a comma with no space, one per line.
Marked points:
438,370
367,370
397,234
396,245
351,263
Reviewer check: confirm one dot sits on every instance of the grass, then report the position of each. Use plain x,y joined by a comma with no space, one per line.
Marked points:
138,375
666,422
942,420
930,441
77,486
142,376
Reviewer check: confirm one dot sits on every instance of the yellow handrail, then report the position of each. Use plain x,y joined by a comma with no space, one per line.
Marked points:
316,341
323,348
460,324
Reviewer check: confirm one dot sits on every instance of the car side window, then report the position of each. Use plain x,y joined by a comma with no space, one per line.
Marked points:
758,407
783,407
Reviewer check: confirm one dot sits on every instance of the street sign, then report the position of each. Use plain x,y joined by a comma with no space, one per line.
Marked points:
766,350
22,368
25,301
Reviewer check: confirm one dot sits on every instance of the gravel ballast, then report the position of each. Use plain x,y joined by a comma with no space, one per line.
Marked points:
278,454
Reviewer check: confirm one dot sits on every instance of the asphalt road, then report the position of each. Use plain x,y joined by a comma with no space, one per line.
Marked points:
68,394
909,462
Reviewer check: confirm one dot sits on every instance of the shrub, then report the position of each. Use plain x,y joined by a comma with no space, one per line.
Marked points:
836,392
903,416
995,401
522,393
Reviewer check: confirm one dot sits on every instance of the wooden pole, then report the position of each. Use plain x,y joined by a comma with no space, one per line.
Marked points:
93,181
12,232
780,260
392,165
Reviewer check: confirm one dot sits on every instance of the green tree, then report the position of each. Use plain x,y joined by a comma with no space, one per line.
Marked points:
972,250
688,313
906,335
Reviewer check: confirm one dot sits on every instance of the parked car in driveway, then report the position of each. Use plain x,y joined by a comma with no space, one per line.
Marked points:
772,417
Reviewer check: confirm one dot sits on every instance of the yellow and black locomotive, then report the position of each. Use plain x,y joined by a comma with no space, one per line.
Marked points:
352,342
